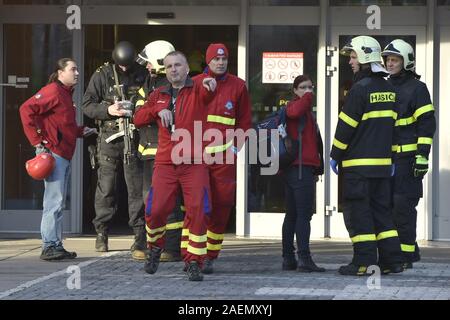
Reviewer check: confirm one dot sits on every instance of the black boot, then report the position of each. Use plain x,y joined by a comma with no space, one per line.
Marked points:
208,266
289,263
193,271
353,270
101,243
139,247
306,264
152,263
391,268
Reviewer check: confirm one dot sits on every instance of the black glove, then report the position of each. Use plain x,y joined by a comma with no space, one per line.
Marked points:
420,166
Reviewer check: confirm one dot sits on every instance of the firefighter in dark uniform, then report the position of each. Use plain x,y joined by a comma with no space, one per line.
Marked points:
109,85
152,58
416,125
363,147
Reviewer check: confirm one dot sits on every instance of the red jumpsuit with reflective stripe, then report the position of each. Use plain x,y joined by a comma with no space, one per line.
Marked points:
229,109
191,174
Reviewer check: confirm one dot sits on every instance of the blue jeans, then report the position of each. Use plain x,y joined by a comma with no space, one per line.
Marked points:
54,200
299,209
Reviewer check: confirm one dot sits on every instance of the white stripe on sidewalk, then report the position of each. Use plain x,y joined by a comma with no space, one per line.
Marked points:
31,283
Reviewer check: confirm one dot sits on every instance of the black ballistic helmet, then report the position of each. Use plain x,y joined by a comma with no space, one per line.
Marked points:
124,54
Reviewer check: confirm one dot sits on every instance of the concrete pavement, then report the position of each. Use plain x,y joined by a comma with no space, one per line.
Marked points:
248,269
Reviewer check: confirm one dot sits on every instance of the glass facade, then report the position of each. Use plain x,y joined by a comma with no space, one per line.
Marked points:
266,193
29,51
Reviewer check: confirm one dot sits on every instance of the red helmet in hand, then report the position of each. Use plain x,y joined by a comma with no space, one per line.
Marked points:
41,166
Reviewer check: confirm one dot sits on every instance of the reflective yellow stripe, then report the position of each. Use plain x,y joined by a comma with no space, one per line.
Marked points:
377,97
141,92
223,120
175,225
197,251
153,231
394,148
220,148
348,120
364,238
184,244
380,114
216,247
405,121
140,103
214,236
407,148
339,144
408,247
424,140
147,151
185,232
387,234
366,162
183,208
422,110
196,238
153,239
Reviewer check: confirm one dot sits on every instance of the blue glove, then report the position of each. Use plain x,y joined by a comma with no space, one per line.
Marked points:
234,149
334,166
392,169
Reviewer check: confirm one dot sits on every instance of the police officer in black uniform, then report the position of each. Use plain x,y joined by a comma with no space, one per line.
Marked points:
416,125
109,86
363,147
152,58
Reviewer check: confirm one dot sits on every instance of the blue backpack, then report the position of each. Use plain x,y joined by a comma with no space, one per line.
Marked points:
289,149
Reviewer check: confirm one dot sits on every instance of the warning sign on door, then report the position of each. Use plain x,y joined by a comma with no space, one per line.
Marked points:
281,67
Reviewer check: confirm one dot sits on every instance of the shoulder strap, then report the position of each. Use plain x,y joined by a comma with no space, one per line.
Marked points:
116,80
301,126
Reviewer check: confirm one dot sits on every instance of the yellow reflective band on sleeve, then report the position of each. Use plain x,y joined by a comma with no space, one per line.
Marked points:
405,121
158,236
153,231
141,92
183,208
184,244
174,226
422,110
424,140
140,103
214,247
197,251
185,232
407,148
339,144
394,148
220,148
387,234
408,247
364,238
222,120
214,236
366,162
348,120
377,97
147,151
380,114
196,238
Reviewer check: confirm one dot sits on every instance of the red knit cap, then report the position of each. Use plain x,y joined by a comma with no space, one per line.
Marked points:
214,50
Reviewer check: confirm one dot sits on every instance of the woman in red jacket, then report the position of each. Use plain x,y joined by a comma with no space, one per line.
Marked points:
48,120
300,191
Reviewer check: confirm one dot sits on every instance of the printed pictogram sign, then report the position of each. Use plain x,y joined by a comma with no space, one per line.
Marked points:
281,67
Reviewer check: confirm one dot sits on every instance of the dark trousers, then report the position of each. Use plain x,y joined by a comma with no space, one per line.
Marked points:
174,220
299,209
407,191
368,218
110,158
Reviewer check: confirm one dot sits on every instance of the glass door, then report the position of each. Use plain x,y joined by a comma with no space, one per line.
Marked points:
341,83
29,51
